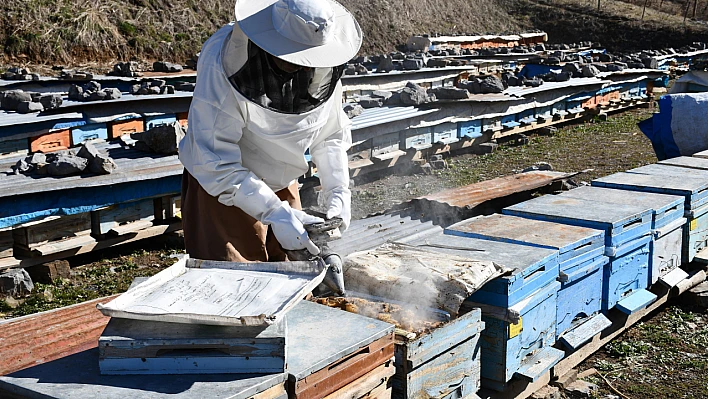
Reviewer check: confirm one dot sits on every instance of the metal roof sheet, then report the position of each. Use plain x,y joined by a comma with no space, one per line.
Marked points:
521,91
377,116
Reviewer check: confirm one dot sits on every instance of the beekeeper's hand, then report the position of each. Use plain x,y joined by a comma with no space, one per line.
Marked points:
339,205
288,228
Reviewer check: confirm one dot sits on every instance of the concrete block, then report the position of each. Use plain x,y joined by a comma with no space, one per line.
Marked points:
48,273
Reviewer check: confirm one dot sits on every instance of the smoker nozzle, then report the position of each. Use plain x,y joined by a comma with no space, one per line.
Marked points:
334,277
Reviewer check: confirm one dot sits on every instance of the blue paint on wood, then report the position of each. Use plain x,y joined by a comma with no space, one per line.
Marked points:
470,129
580,296
695,235
25,208
621,223
636,301
157,120
38,127
503,355
445,133
92,131
443,363
694,189
539,363
583,332
418,138
627,271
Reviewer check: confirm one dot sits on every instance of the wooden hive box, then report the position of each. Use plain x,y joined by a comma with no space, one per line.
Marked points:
80,134
118,128
667,224
581,260
627,236
669,177
444,363
330,350
518,309
145,347
77,376
51,141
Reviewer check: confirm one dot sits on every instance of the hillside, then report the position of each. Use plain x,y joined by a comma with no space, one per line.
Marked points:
70,32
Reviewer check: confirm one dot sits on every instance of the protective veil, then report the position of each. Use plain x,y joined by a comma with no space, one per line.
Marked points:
241,150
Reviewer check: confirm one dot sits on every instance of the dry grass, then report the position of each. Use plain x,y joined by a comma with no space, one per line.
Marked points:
73,31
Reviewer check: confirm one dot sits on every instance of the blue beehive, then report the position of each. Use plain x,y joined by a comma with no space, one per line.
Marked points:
157,120
627,238
581,258
667,224
694,189
80,134
470,129
518,309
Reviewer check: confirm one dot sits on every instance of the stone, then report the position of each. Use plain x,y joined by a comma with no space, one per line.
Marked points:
412,64
164,66
449,93
27,107
92,86
552,61
34,77
157,83
353,110
540,47
368,102
491,84
360,69
65,165
48,273
88,151
37,158
169,89
112,93
385,64
350,70
8,75
589,71
394,100
635,65
153,90
581,389
97,96
547,392
382,94
163,139
437,63
76,93
574,69
102,165
184,86
603,57
51,101
650,62
134,89
562,77
414,94
614,67
22,166
16,282
12,99
458,62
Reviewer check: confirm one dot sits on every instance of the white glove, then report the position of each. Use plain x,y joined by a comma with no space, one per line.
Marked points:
288,227
339,204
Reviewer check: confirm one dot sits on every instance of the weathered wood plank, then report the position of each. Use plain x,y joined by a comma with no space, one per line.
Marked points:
52,228
372,385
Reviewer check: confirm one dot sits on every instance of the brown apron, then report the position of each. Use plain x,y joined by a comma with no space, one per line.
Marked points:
215,231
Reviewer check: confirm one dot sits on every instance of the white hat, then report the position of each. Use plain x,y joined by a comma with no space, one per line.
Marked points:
312,33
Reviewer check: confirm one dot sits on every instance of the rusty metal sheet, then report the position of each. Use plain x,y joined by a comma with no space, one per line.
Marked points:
47,336
456,204
477,193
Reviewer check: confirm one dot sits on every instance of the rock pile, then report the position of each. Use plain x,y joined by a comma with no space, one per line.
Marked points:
414,94
16,73
162,139
70,74
483,85
152,86
164,66
92,91
127,69
27,102
67,162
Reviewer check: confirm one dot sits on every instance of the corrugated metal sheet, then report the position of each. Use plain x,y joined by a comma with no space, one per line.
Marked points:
46,336
11,118
368,233
378,116
521,91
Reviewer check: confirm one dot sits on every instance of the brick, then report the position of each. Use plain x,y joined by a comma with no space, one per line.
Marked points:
47,273
52,141
119,128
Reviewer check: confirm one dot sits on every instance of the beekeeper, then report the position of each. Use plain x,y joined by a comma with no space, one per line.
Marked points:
268,89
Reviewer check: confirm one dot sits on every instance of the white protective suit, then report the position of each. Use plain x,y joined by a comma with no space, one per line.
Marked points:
241,152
